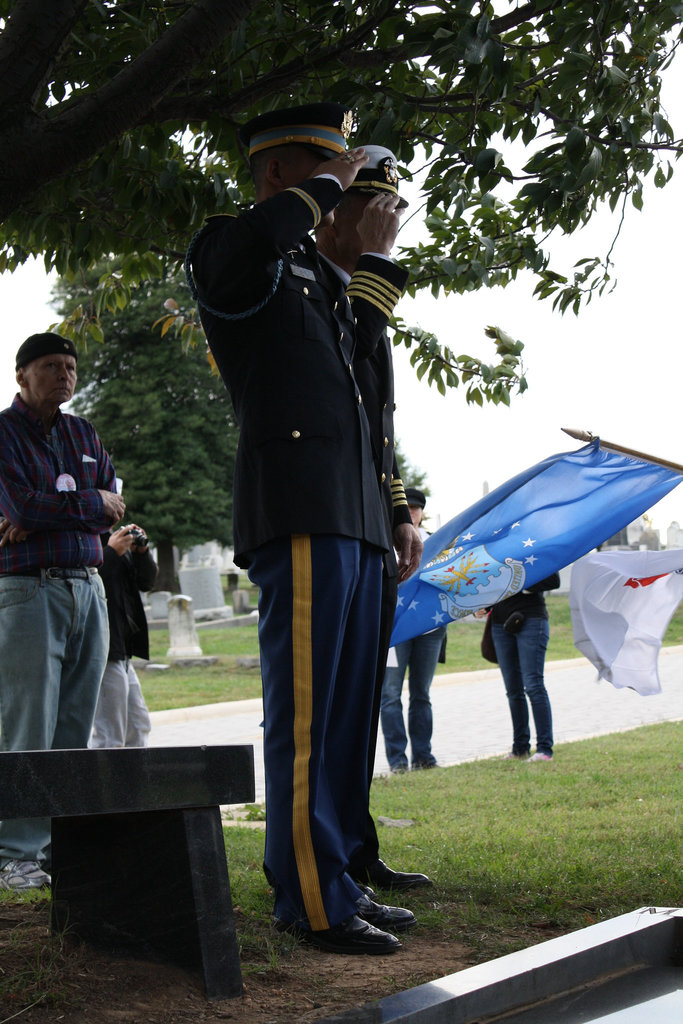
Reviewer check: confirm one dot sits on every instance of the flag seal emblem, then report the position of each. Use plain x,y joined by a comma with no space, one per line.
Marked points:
472,578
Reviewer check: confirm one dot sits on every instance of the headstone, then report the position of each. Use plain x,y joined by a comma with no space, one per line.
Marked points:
248,661
634,530
228,561
158,603
203,584
184,642
240,602
674,536
203,554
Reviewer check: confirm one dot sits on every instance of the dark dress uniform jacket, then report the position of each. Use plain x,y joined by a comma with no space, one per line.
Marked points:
304,462
375,376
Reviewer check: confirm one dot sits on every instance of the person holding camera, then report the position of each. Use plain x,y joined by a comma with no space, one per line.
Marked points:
520,633
121,717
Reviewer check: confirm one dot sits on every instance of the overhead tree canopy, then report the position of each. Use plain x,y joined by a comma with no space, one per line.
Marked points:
164,418
117,128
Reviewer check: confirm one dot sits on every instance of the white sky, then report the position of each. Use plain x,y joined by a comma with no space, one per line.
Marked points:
614,370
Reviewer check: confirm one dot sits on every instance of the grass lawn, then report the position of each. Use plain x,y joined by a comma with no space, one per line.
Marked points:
518,853
184,687
517,850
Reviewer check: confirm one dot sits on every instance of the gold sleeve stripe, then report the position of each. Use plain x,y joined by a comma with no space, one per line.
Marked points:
398,494
310,202
376,282
302,657
375,300
375,290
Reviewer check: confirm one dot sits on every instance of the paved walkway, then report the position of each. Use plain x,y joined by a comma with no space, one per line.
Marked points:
471,718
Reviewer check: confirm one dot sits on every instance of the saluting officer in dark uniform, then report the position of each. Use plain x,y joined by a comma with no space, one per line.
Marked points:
342,242
308,520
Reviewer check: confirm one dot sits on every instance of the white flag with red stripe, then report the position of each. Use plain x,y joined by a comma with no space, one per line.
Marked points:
621,603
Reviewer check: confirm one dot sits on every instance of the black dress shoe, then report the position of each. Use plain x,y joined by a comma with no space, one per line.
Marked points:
379,874
394,919
354,935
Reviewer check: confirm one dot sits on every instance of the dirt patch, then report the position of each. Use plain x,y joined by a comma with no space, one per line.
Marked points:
43,983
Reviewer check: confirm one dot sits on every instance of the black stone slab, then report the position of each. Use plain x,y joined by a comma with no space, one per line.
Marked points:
52,783
640,995
585,971
138,855
153,883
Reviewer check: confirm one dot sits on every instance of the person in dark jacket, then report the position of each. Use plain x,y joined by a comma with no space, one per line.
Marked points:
121,717
308,521
520,633
342,244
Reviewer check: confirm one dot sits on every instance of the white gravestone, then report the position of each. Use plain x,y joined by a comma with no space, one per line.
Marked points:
158,603
182,634
203,584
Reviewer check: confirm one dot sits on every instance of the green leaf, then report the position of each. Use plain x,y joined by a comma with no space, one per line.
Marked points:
576,142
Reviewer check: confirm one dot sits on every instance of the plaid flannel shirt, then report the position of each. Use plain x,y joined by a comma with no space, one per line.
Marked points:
64,526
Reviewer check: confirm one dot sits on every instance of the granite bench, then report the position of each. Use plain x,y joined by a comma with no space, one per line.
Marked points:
138,855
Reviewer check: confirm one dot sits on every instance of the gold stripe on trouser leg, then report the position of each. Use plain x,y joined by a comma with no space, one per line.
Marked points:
302,587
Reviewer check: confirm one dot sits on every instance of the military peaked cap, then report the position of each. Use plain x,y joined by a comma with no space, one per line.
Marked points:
415,497
379,175
322,126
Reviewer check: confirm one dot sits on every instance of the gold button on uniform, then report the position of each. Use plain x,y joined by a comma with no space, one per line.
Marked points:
296,434
384,476
305,291
360,400
386,442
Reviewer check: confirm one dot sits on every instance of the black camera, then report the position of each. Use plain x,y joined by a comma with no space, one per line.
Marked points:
139,537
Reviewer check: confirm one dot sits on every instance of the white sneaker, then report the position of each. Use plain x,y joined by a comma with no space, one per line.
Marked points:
23,874
538,756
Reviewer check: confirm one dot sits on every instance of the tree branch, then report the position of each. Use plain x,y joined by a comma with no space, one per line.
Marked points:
138,87
32,39
522,14
200,100
45,149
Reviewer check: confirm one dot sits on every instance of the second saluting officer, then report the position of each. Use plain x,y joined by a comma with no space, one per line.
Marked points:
308,518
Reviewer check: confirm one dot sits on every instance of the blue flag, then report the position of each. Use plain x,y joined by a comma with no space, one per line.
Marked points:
527,529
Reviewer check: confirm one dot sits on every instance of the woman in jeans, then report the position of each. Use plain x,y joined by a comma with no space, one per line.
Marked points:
520,631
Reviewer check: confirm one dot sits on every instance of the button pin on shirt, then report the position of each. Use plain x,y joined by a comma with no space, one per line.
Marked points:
65,482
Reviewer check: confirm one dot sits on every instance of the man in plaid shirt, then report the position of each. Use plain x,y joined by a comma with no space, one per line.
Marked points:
57,495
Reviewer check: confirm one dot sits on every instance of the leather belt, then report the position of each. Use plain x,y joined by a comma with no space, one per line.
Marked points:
56,573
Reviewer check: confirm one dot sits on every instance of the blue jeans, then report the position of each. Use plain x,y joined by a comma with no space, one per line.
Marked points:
521,657
54,638
420,656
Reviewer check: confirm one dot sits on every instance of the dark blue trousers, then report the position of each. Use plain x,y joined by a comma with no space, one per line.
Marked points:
319,609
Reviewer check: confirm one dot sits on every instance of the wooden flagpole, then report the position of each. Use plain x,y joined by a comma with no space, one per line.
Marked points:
585,435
